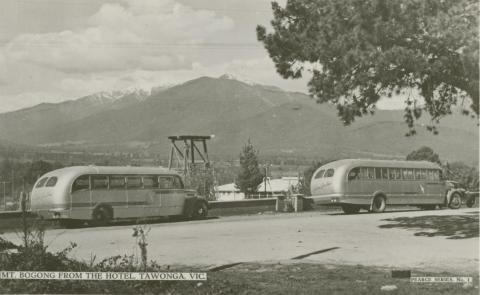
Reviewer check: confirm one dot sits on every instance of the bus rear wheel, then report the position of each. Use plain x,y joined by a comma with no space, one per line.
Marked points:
101,216
455,201
350,209
378,204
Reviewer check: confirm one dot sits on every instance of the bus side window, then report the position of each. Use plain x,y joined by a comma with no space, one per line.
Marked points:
117,182
134,182
165,182
354,174
429,174
391,172
378,173
150,182
405,174
177,183
398,173
371,173
81,183
423,174
363,173
436,175
384,173
99,182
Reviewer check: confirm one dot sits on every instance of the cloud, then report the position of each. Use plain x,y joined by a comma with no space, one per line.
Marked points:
158,35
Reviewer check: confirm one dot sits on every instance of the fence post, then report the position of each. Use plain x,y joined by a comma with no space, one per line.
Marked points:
298,203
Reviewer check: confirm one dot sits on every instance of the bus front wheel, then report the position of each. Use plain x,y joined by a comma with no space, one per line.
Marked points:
455,201
350,209
378,204
200,210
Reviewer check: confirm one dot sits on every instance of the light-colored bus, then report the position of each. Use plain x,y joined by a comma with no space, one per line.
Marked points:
355,184
101,194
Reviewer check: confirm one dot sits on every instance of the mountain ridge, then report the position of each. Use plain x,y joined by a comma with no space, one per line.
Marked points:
234,111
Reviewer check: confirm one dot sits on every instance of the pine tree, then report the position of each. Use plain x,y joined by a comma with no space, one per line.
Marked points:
249,176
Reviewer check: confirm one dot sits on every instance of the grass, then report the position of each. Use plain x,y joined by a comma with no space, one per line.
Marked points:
314,279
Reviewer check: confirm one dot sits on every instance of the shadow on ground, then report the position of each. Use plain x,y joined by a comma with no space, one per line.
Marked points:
450,226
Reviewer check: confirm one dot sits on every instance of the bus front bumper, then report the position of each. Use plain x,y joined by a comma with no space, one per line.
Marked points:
328,199
53,213
340,199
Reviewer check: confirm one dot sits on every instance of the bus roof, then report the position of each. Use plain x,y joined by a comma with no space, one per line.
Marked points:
82,170
350,163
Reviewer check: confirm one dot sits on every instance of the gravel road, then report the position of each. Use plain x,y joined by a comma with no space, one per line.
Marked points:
428,240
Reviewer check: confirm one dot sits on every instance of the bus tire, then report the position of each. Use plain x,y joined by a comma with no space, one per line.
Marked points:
102,215
200,210
378,204
470,202
455,201
350,209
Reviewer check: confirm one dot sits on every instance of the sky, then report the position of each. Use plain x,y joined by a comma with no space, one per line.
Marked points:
55,50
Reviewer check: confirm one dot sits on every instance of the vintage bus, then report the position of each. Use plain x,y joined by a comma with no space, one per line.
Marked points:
355,184
99,195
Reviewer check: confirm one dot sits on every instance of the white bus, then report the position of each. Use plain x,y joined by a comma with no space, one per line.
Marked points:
355,184
101,194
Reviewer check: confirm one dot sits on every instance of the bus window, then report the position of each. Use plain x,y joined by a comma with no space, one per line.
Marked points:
51,181
177,183
150,182
134,182
354,174
165,182
410,174
418,174
430,175
423,174
436,175
371,173
81,183
363,173
398,173
117,182
319,174
99,182
405,174
391,172
384,173
329,173
378,173
41,182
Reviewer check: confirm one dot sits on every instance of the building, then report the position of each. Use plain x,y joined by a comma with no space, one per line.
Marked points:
274,187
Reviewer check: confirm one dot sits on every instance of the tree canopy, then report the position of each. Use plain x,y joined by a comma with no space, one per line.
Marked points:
361,50
424,153
249,176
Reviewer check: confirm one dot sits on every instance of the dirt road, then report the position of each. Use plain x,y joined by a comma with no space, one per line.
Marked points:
428,240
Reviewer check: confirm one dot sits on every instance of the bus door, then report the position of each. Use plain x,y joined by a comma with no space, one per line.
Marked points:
172,195
138,198
81,195
395,190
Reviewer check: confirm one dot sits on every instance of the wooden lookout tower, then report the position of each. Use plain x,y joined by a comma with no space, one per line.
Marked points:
189,152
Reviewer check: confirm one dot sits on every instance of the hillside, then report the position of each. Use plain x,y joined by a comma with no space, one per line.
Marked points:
278,122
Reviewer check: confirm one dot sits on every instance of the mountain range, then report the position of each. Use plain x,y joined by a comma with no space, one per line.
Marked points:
278,123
